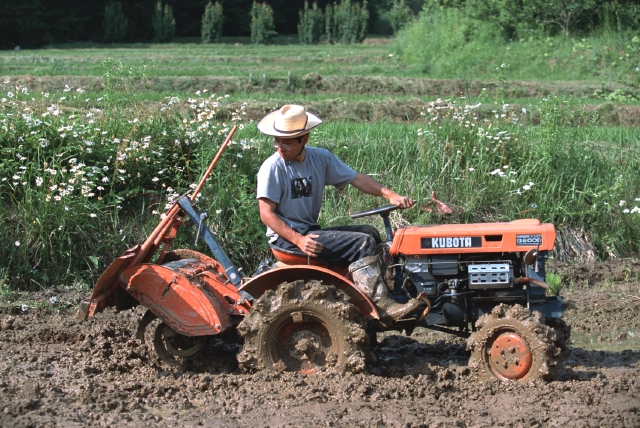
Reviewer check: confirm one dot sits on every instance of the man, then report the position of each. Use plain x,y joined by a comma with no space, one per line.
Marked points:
290,187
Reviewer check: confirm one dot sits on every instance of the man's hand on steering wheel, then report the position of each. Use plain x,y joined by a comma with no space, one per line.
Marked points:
401,202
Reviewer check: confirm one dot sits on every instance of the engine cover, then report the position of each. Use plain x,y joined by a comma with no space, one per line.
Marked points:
516,236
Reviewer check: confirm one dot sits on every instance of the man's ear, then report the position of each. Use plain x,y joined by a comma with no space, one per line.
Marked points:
305,139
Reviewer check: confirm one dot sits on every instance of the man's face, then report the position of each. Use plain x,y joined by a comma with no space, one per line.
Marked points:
289,148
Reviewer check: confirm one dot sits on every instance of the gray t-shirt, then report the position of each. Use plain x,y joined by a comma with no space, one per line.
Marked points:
297,187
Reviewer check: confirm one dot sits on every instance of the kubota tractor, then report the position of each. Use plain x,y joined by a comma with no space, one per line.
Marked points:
485,282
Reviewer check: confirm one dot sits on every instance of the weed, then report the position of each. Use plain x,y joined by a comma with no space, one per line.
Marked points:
607,285
555,284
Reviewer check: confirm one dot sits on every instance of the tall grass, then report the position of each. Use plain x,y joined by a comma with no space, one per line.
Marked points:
446,44
79,185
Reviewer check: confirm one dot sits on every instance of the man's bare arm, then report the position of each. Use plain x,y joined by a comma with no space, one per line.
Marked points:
269,217
366,184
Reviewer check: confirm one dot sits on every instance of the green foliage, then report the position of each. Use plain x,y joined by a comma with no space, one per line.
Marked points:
310,27
346,22
163,23
442,41
115,23
120,82
555,284
507,14
563,13
212,23
500,75
79,187
446,43
620,16
262,24
399,15
520,18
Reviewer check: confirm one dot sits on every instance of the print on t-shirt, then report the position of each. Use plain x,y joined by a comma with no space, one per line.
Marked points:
301,187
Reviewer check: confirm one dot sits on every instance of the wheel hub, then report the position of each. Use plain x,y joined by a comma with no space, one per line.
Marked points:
303,345
306,345
510,356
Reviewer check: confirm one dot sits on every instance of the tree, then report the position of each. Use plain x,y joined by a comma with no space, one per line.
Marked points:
507,14
310,26
262,25
115,23
346,22
399,15
164,24
212,23
564,13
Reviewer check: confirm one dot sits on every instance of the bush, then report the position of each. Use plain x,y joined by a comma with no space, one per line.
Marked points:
346,22
399,15
80,187
618,16
114,24
164,24
262,25
310,26
446,42
212,23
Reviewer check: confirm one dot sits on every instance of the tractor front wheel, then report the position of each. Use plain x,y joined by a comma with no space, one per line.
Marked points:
512,344
305,327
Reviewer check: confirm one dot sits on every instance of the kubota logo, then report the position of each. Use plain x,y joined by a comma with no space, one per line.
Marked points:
528,240
452,242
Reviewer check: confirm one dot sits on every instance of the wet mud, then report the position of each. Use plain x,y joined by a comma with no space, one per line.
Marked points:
57,371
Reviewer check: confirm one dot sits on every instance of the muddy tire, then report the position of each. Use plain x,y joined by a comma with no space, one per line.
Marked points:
512,343
561,332
305,327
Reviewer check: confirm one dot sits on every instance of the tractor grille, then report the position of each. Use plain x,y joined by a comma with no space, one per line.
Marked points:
494,275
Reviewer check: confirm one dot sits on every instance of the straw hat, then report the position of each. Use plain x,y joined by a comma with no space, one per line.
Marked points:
289,121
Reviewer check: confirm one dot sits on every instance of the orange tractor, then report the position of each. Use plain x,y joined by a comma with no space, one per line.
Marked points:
485,282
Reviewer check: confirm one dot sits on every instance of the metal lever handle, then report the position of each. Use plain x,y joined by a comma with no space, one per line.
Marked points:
203,217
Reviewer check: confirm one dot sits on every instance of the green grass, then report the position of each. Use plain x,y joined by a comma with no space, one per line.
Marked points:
221,60
595,59
445,43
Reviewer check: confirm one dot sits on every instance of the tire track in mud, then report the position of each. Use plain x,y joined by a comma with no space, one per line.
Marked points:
57,371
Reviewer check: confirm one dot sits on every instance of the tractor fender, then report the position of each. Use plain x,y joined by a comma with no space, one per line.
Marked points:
189,308
271,279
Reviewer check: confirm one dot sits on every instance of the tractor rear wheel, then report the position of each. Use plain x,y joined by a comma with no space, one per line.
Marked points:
512,343
305,327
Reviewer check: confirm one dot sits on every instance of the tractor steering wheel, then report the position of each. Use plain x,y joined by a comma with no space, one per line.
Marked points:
383,211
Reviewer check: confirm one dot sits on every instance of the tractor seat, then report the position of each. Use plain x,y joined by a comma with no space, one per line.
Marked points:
295,258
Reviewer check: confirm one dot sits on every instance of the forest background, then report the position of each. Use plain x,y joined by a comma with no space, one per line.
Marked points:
36,23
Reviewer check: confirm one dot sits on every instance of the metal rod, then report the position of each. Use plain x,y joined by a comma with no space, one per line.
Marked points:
537,282
213,163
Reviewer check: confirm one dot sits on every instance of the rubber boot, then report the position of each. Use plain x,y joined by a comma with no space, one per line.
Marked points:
367,276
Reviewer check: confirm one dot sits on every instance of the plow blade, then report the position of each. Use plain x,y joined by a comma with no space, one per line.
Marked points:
107,288
189,308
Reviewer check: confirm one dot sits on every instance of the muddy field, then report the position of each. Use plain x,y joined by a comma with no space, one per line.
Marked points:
56,371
